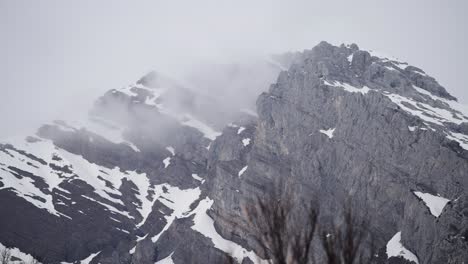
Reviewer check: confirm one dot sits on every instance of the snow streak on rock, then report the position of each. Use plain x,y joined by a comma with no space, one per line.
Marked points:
176,199
16,253
167,260
56,166
205,226
435,204
167,162
207,131
347,87
242,171
396,249
328,132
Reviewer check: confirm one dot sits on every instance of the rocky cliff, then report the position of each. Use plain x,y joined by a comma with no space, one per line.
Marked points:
159,172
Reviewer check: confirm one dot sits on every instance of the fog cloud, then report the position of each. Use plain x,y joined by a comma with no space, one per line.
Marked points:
58,56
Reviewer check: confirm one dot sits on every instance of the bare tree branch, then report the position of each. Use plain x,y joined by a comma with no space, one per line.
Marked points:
286,236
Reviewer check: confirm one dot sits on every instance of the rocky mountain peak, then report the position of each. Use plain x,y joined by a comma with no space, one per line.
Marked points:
159,173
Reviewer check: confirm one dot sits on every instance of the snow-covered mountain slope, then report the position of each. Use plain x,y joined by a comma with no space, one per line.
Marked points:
83,189
158,171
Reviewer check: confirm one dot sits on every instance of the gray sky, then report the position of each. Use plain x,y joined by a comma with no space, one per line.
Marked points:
56,56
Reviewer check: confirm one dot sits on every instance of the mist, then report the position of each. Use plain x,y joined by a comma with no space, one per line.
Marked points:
58,57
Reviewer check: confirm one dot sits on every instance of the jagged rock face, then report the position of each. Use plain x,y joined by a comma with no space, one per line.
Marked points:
117,186
148,179
342,125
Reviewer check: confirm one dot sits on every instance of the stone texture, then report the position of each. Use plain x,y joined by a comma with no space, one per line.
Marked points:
373,162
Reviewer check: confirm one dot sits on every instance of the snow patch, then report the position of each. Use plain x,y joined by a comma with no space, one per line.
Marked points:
347,87
102,127
176,199
166,260
132,251
461,108
90,258
424,111
171,150
207,131
246,141
328,132
15,252
205,226
435,204
196,177
462,139
105,182
383,56
396,249
400,65
167,162
242,171
240,130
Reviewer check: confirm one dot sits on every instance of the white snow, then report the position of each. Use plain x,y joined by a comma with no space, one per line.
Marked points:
328,132
422,91
412,128
25,187
207,131
437,115
383,56
463,109
90,258
167,162
462,139
176,199
102,127
347,87
246,141
94,175
144,186
132,251
130,144
350,58
240,130
205,226
127,90
167,260
171,150
196,177
108,206
242,170
191,121
155,94
391,68
396,249
401,65
141,238
435,204
123,230
15,252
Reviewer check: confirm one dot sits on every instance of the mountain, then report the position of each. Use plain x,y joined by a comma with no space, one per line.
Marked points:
159,171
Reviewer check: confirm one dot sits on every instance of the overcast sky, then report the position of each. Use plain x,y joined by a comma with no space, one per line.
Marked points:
56,56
